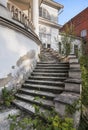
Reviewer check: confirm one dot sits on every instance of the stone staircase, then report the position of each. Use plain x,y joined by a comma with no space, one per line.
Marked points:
45,83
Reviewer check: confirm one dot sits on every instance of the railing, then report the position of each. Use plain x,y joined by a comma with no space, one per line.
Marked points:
20,16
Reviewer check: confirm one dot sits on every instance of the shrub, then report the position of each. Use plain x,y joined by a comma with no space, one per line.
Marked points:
7,97
84,69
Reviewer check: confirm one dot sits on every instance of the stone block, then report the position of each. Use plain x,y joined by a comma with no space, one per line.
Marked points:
75,73
64,99
60,107
74,65
73,60
71,56
73,85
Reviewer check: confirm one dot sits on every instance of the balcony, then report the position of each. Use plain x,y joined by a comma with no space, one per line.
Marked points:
20,16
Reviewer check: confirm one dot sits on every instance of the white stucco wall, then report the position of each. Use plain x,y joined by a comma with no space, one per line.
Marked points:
54,38
4,2
13,45
53,32
49,29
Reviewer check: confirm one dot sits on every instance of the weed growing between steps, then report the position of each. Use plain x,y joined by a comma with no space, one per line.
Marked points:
7,97
71,109
47,120
36,123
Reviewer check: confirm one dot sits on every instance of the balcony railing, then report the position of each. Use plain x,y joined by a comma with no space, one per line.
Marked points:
20,16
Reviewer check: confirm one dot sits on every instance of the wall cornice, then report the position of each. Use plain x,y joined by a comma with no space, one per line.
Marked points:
49,23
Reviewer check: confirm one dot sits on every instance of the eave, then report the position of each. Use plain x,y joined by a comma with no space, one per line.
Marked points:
53,4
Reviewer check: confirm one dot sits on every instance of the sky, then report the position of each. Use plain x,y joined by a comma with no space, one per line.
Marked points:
71,8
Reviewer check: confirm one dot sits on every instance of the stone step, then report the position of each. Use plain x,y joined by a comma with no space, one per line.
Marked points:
62,74
53,68
43,87
28,107
42,94
24,106
52,83
35,100
51,71
48,78
54,63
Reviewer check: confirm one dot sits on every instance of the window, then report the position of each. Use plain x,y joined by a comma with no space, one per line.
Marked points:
76,50
84,33
48,46
44,13
40,11
60,47
46,37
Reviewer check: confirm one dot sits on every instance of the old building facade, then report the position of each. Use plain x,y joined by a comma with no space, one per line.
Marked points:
48,23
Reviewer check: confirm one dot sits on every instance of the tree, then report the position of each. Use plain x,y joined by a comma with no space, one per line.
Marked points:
67,38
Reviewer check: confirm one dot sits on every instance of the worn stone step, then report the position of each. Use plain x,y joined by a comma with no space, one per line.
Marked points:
62,74
27,107
49,60
52,83
44,94
54,63
48,78
50,71
35,100
43,87
53,68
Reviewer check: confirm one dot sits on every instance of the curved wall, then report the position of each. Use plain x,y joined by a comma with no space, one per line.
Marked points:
13,45
19,49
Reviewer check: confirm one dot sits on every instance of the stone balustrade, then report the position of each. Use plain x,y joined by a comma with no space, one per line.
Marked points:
20,16
72,92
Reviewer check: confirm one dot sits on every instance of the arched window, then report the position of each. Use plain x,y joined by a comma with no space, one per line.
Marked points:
44,13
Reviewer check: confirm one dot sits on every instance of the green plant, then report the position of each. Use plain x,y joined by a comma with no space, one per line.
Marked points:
48,120
67,39
72,108
84,69
7,96
52,123
19,123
